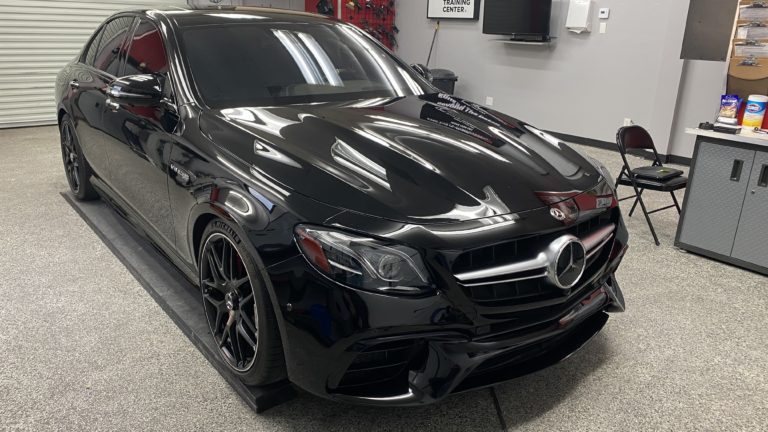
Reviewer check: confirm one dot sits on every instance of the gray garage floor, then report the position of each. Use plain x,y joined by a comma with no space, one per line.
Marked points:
82,346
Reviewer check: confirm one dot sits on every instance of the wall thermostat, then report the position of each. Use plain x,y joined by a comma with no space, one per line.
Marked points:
604,13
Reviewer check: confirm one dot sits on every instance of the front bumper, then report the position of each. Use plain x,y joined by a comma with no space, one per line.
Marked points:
365,348
455,364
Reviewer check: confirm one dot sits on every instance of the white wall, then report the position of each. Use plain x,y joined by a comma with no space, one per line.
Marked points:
206,3
584,85
702,85
281,4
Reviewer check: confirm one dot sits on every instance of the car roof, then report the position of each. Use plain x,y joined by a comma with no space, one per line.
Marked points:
188,17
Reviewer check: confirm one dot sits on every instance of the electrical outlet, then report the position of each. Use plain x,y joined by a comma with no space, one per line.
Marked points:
489,101
605,13
628,122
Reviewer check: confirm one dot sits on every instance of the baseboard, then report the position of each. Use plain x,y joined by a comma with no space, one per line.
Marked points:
679,160
606,145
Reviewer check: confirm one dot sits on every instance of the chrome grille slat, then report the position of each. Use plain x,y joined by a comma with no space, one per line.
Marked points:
539,262
537,276
592,252
598,238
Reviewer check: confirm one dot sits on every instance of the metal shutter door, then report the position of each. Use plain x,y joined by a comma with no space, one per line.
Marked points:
37,37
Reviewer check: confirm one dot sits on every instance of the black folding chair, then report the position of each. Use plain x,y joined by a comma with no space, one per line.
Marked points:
637,138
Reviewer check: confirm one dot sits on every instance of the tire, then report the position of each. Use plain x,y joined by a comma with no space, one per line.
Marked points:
237,307
76,167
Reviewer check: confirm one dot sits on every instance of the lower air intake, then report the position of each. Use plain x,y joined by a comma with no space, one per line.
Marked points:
381,370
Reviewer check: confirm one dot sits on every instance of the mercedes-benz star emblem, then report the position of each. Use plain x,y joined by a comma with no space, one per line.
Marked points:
558,214
568,259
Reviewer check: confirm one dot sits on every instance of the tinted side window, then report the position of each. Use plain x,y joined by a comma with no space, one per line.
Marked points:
92,48
112,42
146,54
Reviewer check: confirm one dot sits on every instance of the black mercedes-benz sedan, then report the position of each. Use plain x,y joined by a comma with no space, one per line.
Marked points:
350,228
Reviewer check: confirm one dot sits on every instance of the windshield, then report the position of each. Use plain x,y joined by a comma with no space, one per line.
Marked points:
277,63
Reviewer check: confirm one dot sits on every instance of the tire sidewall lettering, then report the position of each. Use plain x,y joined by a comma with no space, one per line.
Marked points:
225,228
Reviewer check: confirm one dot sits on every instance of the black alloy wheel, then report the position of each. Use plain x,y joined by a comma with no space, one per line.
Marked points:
76,167
71,157
229,301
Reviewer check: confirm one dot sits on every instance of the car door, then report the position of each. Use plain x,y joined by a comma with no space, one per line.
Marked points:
89,81
139,139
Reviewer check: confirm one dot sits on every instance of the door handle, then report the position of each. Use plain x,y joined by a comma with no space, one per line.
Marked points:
112,105
738,166
74,84
762,180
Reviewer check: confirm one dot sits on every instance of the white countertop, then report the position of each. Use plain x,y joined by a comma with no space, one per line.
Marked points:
745,136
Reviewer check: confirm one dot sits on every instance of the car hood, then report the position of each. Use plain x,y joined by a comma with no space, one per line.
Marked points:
418,159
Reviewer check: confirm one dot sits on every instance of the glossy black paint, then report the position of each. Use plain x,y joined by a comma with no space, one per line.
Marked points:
445,159
436,172
137,90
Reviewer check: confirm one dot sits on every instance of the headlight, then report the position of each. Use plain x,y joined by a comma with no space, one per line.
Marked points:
363,262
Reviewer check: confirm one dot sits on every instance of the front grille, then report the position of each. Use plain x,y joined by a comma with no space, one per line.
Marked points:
524,248
526,281
381,370
530,290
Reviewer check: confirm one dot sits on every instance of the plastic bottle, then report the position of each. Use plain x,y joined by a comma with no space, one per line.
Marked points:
755,111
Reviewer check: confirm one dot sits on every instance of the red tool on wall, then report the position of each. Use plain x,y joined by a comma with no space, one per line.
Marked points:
376,17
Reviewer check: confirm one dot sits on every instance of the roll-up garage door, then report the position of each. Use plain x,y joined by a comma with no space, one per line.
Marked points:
37,38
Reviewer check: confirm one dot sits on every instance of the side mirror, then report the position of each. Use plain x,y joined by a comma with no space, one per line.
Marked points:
423,71
136,90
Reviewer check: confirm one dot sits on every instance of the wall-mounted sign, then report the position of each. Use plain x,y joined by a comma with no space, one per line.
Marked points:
453,9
